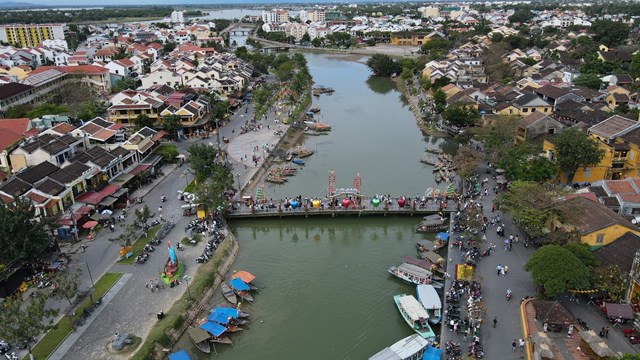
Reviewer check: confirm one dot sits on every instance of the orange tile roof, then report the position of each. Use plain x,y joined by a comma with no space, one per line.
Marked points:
18,125
85,69
63,128
619,187
630,197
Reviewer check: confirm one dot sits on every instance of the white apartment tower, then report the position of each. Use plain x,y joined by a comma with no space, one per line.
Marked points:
177,16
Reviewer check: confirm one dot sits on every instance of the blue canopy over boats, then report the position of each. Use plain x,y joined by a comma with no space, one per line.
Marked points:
430,300
414,315
213,328
239,285
223,315
180,355
442,236
411,347
297,161
432,353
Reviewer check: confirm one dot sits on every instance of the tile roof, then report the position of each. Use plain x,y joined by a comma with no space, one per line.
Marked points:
612,126
50,187
551,92
69,173
12,89
619,186
594,216
598,190
35,173
63,128
532,118
619,252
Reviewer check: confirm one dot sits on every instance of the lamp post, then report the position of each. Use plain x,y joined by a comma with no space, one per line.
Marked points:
238,178
186,278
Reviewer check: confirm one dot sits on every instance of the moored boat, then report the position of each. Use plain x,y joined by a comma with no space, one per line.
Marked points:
241,289
216,331
200,339
315,109
411,347
228,293
411,274
414,315
432,257
442,240
430,300
246,277
297,161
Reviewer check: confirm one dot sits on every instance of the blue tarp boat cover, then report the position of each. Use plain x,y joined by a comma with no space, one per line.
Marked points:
442,236
229,312
432,353
180,355
218,317
239,285
213,328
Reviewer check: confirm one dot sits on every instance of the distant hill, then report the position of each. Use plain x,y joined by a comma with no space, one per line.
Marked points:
15,4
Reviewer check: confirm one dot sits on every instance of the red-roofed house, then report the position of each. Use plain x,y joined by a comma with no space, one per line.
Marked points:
12,131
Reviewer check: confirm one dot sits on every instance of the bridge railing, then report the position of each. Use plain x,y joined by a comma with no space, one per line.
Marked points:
247,210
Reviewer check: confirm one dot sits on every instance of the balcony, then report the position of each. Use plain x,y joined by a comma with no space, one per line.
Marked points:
619,160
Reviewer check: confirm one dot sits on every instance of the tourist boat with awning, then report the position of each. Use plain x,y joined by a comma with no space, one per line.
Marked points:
414,315
430,300
228,293
423,264
226,316
442,240
246,277
200,339
216,331
432,257
410,348
241,289
411,274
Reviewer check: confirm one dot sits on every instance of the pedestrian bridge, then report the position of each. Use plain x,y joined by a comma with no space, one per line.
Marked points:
244,211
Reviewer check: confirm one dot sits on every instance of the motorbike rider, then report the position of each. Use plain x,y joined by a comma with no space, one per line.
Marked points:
508,294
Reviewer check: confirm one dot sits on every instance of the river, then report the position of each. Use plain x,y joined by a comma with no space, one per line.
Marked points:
325,290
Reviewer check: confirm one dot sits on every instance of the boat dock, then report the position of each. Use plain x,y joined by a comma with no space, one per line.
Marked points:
392,210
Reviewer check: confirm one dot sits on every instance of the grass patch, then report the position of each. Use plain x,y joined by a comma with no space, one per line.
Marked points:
190,187
60,331
197,237
135,342
173,317
139,245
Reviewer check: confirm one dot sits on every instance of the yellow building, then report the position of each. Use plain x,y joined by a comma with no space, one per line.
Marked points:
413,39
20,72
619,137
597,224
30,35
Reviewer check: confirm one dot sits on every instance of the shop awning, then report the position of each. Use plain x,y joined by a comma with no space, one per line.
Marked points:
123,178
93,197
623,311
120,192
108,201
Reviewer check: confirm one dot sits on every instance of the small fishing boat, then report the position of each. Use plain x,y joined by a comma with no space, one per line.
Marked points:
243,315
424,245
442,240
433,150
297,161
276,179
315,109
228,293
411,274
246,277
241,289
429,159
411,347
234,328
432,257
200,339
430,300
301,151
414,315
216,331
319,127
431,223
438,177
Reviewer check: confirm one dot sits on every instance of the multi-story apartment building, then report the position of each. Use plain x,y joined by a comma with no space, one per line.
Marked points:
30,35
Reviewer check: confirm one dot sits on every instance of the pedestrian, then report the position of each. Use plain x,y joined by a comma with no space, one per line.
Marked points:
521,341
146,285
504,270
606,332
112,227
514,344
495,321
157,287
499,269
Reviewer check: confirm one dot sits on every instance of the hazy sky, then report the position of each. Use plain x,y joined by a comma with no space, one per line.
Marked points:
152,2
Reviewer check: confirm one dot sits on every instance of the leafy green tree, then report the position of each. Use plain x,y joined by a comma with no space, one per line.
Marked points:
530,61
467,159
21,236
46,109
439,100
168,47
382,65
143,120
285,71
20,320
65,284
142,216
531,206
498,137
124,84
635,66
575,149
557,270
608,32
461,114
168,152
582,252
611,280
592,81
521,16
306,38
436,44
17,111
171,123
441,82
523,163
202,159
316,42
211,196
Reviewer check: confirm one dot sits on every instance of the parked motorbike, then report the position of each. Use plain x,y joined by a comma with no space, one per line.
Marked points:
508,294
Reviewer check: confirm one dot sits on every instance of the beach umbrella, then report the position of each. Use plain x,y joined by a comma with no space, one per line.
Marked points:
90,224
601,349
106,212
589,336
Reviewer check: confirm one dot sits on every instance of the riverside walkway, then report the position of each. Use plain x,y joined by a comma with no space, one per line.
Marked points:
257,211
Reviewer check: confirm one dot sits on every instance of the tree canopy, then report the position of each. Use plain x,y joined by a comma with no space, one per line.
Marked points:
531,206
467,160
461,114
556,270
21,320
211,195
383,65
608,32
202,159
523,163
439,100
21,236
592,81
575,149
521,16
143,120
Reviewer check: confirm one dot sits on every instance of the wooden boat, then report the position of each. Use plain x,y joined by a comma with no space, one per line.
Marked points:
221,340
431,223
234,328
424,245
415,315
216,331
243,315
438,177
430,300
429,159
432,257
200,339
276,179
297,161
411,274
433,150
319,127
417,262
442,240
411,347
228,293
314,109
241,289
301,152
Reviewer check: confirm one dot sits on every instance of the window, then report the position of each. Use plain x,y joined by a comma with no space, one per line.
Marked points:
587,173
551,131
525,110
599,238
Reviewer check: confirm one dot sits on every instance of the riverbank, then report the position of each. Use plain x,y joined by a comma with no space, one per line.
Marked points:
425,127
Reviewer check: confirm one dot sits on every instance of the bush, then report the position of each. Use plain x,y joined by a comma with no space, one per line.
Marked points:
168,152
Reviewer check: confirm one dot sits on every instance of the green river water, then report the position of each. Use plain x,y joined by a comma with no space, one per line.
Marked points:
325,292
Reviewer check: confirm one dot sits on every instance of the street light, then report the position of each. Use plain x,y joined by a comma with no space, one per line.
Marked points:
186,278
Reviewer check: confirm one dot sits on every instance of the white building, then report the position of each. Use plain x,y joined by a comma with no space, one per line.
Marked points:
275,16
56,43
312,16
177,16
429,12
296,30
